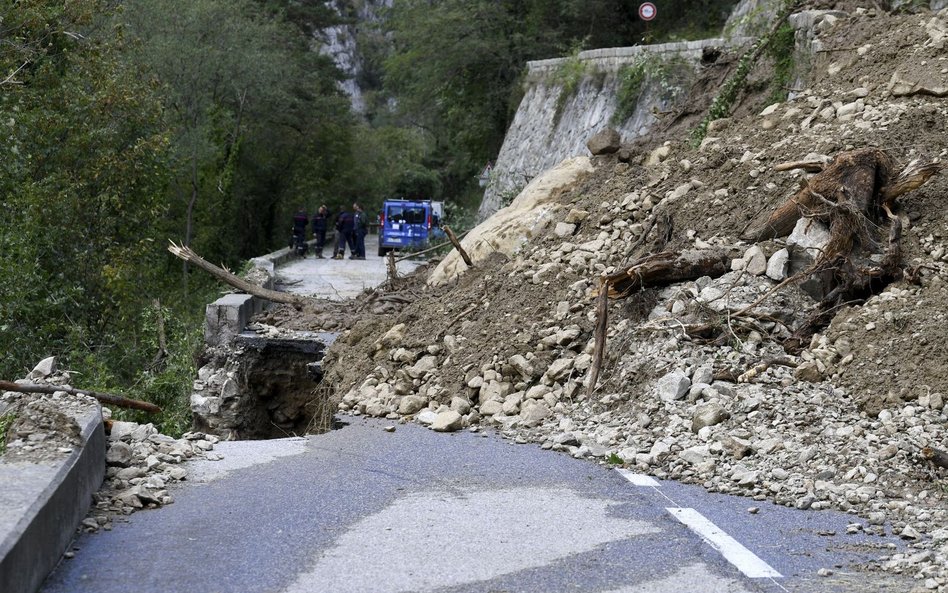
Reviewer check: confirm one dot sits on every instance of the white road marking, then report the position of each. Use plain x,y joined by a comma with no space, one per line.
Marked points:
638,479
745,560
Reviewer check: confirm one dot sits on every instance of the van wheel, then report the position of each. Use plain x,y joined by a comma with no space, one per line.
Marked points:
382,251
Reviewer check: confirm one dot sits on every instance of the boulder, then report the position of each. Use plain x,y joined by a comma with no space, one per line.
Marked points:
449,421
411,404
605,141
673,386
708,415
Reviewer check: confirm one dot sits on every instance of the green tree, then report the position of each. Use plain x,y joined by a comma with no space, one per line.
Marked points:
455,67
83,182
259,123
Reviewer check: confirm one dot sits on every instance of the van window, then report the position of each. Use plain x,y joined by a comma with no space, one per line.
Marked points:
407,214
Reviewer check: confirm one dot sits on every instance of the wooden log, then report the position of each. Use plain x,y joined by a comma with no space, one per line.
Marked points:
392,270
237,282
107,398
457,245
602,325
936,457
866,179
668,267
808,166
430,249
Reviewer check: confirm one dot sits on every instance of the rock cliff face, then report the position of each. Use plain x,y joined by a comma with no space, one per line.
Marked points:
342,43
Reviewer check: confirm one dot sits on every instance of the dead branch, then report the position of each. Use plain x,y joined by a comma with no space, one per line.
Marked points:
457,318
457,245
602,324
662,269
392,270
430,249
911,178
935,456
808,166
9,79
185,253
752,373
107,398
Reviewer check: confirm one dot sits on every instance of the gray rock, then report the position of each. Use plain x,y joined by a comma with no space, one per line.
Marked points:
119,454
559,369
703,374
778,265
424,365
522,366
737,448
534,415
565,438
808,371
605,141
755,262
43,369
673,386
410,404
461,405
449,421
495,390
121,429
696,455
564,229
491,407
708,415
427,417
130,473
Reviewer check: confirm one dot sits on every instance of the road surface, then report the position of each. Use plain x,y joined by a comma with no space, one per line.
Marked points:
338,279
361,509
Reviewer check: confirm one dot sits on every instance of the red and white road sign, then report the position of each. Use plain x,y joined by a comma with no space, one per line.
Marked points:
647,11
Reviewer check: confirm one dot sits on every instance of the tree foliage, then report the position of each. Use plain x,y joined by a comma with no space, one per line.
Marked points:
455,66
82,179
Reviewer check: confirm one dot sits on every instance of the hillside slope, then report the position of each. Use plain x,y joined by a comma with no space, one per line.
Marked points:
841,424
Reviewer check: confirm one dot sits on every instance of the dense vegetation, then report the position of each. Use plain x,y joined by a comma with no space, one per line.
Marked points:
209,122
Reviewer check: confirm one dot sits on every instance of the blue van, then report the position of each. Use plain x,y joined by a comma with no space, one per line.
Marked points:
404,225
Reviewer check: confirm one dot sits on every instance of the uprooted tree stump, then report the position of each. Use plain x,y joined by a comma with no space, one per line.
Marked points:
854,195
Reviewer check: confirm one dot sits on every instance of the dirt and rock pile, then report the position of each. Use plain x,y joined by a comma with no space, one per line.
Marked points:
141,462
839,423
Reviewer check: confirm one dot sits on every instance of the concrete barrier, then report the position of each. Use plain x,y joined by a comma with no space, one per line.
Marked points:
41,504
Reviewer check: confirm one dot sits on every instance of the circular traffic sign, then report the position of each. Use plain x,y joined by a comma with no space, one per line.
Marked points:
647,11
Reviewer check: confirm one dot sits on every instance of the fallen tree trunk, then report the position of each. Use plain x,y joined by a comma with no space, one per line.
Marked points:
237,282
107,398
668,267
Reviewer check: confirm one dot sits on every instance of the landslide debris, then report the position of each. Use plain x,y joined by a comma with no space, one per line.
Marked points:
842,423
141,462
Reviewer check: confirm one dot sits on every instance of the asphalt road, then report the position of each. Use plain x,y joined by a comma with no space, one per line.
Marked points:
364,510
338,279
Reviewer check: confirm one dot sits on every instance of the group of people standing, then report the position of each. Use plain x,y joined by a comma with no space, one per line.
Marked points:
351,228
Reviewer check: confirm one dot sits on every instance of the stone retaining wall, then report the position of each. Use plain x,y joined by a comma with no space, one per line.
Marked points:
548,128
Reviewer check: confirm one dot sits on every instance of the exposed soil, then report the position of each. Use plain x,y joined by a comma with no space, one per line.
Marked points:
844,435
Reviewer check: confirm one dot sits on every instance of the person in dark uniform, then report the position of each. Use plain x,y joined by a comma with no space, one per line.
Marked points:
344,226
298,242
359,230
319,224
